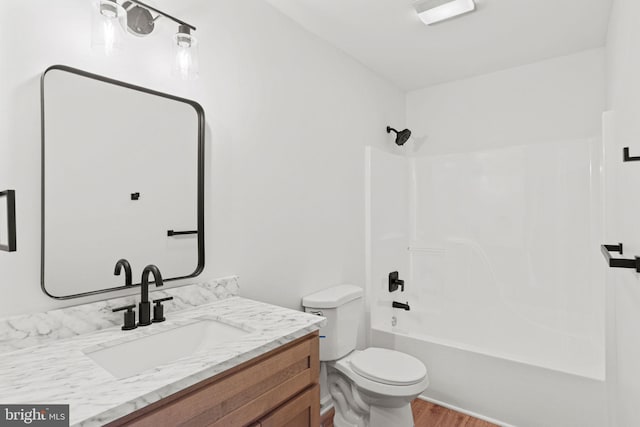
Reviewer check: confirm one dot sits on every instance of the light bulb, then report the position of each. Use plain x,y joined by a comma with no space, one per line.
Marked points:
186,54
184,63
109,36
109,21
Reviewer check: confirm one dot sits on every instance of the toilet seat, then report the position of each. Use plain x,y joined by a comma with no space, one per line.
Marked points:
345,367
389,367
375,403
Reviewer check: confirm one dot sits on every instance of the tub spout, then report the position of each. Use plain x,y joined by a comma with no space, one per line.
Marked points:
397,304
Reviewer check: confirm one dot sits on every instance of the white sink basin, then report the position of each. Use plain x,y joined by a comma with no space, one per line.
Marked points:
133,357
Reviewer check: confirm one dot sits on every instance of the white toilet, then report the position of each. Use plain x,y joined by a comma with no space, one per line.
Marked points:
373,387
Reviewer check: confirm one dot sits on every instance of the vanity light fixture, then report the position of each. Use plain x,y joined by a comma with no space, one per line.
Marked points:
433,11
138,19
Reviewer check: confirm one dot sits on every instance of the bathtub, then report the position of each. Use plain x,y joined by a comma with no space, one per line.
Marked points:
499,390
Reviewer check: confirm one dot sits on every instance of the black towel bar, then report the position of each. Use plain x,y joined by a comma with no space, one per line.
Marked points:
9,238
171,233
619,262
627,157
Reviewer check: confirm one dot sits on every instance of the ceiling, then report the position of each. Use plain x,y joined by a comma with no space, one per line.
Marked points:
388,37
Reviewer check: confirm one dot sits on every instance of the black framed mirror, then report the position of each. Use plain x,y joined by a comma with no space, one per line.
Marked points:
122,177
8,221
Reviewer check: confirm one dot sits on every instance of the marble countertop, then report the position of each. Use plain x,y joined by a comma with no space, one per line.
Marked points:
59,372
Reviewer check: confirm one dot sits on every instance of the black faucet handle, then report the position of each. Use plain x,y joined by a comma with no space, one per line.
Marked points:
158,309
129,316
126,307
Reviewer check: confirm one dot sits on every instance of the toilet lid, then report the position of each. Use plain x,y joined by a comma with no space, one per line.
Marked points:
388,366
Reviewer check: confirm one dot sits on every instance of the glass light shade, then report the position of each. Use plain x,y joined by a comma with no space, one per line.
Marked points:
109,20
186,62
432,11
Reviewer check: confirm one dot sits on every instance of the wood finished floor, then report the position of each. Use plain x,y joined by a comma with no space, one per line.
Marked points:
426,414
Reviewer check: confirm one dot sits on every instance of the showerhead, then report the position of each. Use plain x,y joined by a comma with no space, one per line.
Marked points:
401,136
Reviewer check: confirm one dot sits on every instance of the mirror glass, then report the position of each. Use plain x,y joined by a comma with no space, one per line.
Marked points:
122,177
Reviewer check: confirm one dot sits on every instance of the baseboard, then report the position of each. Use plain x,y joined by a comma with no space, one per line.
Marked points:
464,411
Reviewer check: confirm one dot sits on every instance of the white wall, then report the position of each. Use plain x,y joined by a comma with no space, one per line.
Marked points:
288,119
555,100
623,208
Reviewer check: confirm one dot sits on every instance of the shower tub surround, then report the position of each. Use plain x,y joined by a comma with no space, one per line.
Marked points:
499,250
54,368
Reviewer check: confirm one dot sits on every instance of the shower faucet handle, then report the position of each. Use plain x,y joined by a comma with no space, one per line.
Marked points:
395,282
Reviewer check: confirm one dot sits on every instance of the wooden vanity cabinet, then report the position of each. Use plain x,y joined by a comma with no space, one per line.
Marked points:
302,410
277,389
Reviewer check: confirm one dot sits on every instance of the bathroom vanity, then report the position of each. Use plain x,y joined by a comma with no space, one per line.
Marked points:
279,388
217,360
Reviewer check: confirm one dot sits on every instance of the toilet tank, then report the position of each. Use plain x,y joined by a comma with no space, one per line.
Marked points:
342,306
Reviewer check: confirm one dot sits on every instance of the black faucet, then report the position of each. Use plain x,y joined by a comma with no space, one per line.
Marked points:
123,263
401,305
144,308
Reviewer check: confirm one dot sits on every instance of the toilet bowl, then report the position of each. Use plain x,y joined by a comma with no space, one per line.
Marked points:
373,387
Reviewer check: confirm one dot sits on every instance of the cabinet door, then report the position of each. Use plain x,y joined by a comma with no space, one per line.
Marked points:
301,411
241,395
